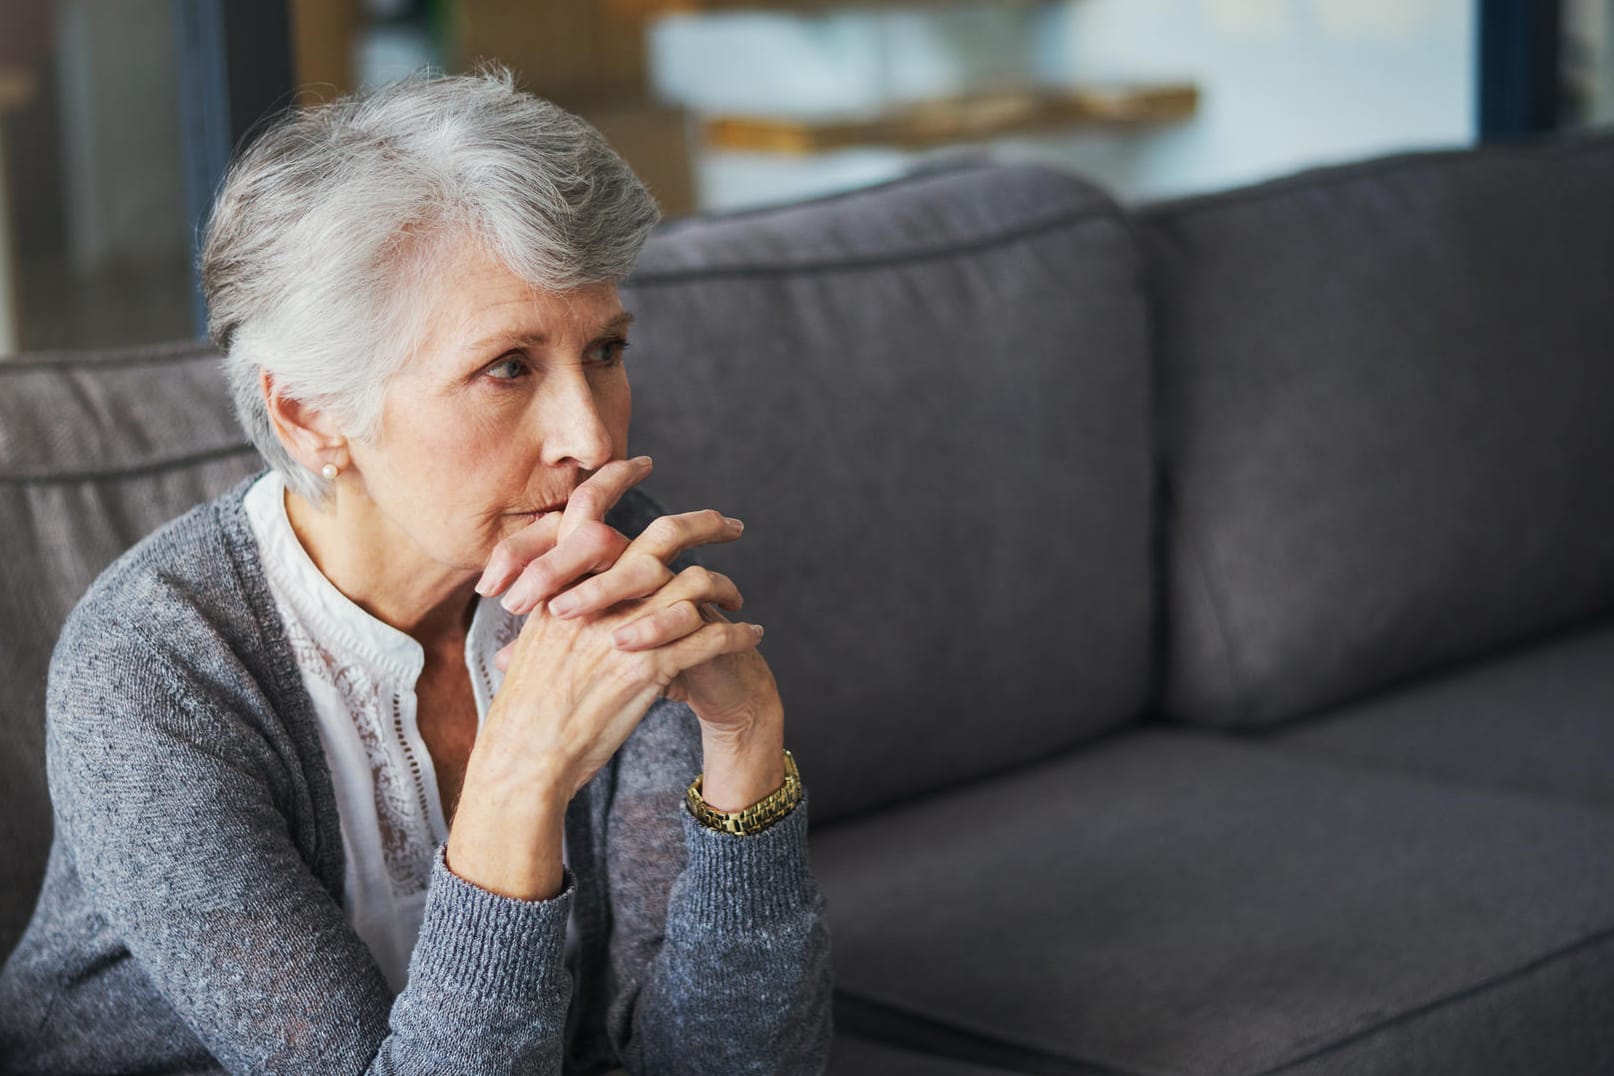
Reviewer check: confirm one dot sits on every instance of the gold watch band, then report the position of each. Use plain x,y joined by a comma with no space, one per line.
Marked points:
755,818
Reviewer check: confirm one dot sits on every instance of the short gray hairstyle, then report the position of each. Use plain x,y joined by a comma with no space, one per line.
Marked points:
323,234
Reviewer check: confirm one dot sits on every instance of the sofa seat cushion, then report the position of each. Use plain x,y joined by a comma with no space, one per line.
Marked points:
1170,901
1537,721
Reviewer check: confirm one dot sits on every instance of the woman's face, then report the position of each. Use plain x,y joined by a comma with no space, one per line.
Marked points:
513,398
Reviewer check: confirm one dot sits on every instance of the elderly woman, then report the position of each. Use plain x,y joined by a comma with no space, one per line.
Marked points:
425,750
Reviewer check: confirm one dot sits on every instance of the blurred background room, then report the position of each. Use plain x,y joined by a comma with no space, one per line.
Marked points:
117,117
1195,614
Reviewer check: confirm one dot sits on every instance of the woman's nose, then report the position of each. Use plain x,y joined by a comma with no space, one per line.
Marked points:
573,428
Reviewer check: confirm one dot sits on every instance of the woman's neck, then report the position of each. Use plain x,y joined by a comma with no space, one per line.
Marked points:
380,570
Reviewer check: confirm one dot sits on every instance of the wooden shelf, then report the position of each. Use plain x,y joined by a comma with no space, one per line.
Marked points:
964,119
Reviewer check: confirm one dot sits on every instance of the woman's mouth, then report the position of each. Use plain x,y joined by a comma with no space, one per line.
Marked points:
533,513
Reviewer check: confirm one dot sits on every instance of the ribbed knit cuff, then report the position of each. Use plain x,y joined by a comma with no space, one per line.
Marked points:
739,882
475,940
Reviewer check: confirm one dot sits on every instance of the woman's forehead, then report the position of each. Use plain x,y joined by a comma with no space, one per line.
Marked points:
477,298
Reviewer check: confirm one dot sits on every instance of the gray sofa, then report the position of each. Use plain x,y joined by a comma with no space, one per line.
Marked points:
1197,622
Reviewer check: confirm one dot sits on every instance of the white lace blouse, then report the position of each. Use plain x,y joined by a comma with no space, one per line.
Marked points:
361,675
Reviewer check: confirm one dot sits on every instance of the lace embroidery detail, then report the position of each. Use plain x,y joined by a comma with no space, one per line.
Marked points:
508,631
401,806
505,632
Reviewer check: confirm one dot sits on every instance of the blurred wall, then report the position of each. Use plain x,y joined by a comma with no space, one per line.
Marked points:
1285,83
118,92
1589,61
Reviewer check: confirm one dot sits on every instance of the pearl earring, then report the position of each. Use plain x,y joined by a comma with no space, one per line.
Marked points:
330,471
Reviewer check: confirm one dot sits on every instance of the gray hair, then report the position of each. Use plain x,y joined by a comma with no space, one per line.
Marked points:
322,237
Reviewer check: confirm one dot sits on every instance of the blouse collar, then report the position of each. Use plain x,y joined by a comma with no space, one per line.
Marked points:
341,623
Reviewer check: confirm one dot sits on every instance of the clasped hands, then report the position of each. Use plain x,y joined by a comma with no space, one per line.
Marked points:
610,626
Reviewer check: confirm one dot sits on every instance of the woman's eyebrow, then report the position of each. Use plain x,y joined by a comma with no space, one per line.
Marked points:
530,339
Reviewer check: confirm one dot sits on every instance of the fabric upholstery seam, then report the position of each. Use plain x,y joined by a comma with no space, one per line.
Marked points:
988,1039
1092,1068
1034,229
152,355
1455,996
45,478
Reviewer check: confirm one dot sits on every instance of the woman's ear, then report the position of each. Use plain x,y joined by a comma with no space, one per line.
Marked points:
310,435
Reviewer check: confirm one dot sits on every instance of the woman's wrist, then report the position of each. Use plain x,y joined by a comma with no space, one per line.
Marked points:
507,839
743,765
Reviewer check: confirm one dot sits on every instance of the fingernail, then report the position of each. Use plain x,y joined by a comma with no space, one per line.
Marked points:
645,461
757,629
564,605
515,599
737,524
621,636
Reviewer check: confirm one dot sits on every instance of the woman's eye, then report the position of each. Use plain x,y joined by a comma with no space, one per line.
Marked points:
609,352
508,368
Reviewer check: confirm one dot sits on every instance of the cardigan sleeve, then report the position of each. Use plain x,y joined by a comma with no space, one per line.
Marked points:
720,958
167,795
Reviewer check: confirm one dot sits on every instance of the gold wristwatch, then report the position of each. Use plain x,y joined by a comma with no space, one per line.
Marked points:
755,818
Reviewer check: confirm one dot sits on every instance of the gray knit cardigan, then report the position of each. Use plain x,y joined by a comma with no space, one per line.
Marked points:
191,915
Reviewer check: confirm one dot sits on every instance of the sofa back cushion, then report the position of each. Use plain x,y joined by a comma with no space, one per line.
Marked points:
1389,421
95,452
929,402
